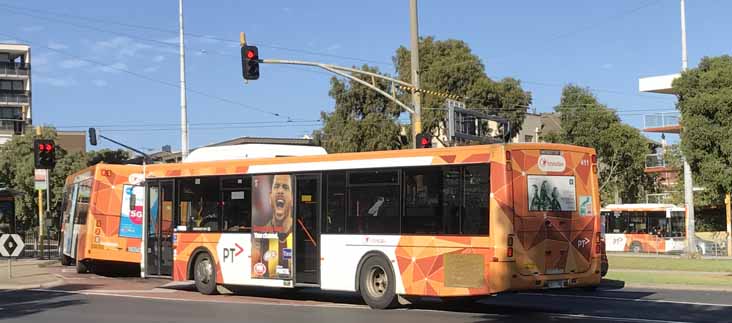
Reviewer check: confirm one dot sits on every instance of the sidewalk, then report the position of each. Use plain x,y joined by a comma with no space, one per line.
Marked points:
28,273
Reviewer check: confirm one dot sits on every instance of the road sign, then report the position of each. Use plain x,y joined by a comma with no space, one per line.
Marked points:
41,179
11,245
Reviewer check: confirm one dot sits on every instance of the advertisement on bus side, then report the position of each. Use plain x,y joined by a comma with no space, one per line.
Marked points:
272,221
133,202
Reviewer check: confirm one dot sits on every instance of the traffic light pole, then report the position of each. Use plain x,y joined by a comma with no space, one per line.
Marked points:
39,241
344,71
414,44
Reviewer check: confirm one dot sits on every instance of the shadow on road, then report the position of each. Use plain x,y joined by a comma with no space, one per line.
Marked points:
14,304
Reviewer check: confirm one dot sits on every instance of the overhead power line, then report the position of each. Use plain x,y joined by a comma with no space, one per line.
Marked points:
19,9
145,77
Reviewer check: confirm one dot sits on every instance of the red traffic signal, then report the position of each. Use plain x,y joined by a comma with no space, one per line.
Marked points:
423,140
250,62
43,153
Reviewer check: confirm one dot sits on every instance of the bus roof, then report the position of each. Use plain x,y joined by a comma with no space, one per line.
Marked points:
362,160
642,207
248,151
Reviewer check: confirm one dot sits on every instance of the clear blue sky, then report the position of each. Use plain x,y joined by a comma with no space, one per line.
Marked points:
605,45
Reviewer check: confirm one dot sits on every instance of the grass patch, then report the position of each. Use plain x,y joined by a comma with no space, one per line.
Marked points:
666,263
721,279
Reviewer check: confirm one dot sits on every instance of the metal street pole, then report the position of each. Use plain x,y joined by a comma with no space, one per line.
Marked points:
728,210
39,241
183,112
688,181
414,44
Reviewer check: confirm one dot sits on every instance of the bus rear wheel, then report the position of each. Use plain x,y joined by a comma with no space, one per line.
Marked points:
204,273
377,283
83,266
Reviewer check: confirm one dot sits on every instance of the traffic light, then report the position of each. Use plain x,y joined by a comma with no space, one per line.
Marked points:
92,136
44,153
423,140
250,62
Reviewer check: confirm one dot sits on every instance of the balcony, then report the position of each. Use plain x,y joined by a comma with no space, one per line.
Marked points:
662,122
16,99
656,163
14,70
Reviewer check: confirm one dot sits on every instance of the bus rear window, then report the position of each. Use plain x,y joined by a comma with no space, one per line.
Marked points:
552,193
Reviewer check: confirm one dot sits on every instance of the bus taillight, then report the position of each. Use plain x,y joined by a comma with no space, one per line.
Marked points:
598,243
509,250
508,161
594,164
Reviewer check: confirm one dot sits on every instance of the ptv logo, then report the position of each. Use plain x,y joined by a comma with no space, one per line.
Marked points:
230,253
583,243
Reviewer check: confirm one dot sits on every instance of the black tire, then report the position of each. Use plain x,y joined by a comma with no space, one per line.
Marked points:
66,260
636,247
82,267
604,267
204,273
377,283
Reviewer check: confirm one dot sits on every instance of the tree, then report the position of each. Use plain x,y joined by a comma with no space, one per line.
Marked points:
450,67
621,149
705,101
363,120
107,156
16,172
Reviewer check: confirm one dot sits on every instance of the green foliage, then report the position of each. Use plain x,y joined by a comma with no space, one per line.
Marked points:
107,156
450,67
16,172
363,120
621,149
705,102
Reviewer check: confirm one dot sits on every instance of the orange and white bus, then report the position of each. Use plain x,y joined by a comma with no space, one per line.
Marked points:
445,222
647,227
102,216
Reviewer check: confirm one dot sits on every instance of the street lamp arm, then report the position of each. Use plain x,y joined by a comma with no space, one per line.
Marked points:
144,155
371,86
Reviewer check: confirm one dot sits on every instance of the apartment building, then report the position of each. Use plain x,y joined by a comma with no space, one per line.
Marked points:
15,90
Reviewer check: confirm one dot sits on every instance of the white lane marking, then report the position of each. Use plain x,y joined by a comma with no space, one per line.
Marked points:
92,293
615,318
630,299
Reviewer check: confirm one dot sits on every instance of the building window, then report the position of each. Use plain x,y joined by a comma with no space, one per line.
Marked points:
6,85
4,57
236,203
10,113
199,204
528,138
18,86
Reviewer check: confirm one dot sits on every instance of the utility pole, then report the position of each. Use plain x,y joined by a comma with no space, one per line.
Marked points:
183,111
728,207
414,44
688,180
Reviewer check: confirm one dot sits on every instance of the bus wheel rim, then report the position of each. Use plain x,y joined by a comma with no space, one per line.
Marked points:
378,282
203,270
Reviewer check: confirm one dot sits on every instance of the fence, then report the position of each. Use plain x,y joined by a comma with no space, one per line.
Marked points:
48,248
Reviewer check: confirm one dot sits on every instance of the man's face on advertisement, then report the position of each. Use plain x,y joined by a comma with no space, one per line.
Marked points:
281,197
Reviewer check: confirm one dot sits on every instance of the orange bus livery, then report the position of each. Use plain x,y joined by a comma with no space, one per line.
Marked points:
445,222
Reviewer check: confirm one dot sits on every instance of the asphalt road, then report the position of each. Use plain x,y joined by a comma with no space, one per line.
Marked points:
617,305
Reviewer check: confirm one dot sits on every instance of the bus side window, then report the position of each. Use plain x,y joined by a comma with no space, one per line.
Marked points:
199,203
237,204
476,185
334,219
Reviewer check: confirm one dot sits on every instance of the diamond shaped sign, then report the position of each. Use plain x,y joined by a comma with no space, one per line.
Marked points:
11,245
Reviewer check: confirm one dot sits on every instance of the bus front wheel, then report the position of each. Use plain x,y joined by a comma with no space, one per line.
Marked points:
66,260
377,283
204,273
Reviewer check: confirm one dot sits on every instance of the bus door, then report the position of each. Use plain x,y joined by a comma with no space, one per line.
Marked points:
307,233
159,229
556,219
70,229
